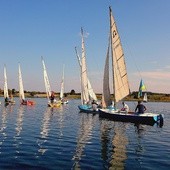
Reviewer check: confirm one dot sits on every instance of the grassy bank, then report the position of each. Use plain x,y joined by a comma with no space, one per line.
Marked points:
153,97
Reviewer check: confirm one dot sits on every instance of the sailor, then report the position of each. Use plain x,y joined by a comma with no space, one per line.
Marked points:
125,107
140,108
52,97
94,105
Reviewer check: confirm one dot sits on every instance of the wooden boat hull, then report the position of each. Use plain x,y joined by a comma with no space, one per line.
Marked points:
58,104
145,118
87,109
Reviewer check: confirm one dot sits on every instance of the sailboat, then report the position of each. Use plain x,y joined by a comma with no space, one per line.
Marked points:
50,94
23,101
145,98
120,83
142,88
63,100
6,95
87,93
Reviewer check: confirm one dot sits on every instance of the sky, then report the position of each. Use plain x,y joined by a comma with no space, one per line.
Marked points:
30,29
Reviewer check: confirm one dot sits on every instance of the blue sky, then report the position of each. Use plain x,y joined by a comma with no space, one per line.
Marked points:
30,29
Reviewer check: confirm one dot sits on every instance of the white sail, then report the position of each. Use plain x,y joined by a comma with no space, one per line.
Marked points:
21,87
84,73
145,98
79,61
62,85
120,78
90,91
46,80
92,95
6,95
106,96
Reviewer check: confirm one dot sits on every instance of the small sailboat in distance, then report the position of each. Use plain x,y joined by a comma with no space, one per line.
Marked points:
50,94
23,101
62,98
142,88
6,95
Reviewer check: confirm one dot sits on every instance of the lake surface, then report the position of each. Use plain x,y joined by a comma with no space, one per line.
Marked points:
41,138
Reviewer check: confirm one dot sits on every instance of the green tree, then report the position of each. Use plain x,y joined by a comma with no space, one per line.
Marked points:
72,92
13,91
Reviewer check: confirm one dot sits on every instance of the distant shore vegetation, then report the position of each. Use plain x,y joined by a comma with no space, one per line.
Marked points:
153,97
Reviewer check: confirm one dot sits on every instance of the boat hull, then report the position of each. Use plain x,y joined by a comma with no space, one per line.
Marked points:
145,118
87,109
57,104
28,103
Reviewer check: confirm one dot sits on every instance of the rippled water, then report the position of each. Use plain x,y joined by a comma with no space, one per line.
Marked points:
41,138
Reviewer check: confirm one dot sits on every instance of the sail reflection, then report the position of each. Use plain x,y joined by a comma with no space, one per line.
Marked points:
44,130
19,124
114,142
3,127
19,121
85,134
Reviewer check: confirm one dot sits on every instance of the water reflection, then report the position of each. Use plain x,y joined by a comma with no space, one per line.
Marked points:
19,124
87,122
3,127
114,142
60,120
19,121
139,149
45,128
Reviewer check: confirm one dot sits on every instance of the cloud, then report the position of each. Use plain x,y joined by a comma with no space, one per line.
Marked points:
159,75
155,81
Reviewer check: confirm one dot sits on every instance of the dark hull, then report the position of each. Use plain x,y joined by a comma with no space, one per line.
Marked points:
133,118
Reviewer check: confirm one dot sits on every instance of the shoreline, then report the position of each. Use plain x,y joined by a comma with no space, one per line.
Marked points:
151,97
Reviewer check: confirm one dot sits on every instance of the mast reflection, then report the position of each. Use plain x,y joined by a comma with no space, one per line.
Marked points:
114,142
85,134
3,127
19,124
44,130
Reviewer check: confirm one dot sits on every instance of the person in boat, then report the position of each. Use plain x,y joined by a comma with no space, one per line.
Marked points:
125,107
140,108
94,105
52,97
7,100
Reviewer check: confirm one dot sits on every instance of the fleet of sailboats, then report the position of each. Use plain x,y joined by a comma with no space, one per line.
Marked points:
120,83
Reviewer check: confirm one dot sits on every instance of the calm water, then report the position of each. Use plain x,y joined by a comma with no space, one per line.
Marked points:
40,138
